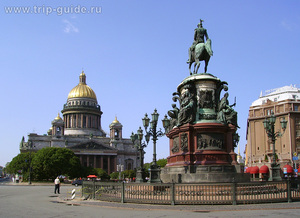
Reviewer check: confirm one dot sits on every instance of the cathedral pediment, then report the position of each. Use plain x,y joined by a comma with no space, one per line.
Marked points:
91,145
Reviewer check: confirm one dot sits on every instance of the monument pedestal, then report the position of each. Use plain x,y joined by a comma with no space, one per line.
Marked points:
139,176
201,144
203,137
154,174
198,174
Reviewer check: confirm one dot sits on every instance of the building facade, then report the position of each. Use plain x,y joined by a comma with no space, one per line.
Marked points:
80,130
284,102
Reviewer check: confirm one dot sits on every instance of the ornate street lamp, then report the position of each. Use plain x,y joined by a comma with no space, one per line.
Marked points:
29,146
154,169
140,146
269,125
120,169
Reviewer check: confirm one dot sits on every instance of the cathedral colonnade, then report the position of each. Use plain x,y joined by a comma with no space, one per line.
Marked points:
75,120
105,162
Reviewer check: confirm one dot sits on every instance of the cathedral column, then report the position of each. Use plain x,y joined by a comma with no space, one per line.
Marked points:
77,124
72,121
88,160
81,121
108,165
92,121
101,162
80,158
113,161
95,161
66,121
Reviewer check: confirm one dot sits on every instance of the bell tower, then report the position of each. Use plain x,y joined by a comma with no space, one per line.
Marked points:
115,130
57,126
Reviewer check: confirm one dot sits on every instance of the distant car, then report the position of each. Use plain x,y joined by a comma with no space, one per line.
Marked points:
77,182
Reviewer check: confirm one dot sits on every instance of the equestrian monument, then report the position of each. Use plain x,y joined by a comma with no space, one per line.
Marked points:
203,124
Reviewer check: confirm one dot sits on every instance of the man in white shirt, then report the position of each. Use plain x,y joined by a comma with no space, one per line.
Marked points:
57,184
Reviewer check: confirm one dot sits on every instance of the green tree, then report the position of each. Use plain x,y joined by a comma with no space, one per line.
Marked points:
20,164
162,162
128,174
50,162
87,171
102,174
114,175
147,166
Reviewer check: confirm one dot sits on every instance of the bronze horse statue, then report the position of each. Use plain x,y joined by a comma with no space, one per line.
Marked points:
202,52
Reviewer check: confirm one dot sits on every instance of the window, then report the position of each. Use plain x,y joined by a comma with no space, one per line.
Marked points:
116,134
295,107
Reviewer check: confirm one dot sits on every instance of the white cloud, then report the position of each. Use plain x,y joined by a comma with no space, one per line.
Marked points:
288,25
69,27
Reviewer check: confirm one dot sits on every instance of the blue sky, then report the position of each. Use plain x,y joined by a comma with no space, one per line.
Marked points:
134,55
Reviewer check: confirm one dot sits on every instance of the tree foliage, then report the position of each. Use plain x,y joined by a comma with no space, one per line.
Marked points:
162,162
147,166
102,174
114,175
20,164
50,162
128,174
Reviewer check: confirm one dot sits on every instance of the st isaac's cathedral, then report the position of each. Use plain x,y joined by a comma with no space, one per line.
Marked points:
80,130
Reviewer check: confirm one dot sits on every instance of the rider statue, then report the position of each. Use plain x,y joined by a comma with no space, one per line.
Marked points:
199,35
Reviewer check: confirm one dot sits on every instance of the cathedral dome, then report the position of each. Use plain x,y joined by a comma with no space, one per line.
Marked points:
81,113
82,90
57,120
58,117
115,123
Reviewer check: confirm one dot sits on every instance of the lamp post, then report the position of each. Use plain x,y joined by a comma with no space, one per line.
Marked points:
269,125
29,146
140,147
154,169
120,169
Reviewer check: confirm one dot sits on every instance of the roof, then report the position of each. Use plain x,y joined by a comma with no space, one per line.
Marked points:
279,94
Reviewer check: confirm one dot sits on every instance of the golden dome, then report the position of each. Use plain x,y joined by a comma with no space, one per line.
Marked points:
82,90
116,120
58,117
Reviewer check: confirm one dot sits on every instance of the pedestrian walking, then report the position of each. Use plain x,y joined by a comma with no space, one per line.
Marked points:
57,185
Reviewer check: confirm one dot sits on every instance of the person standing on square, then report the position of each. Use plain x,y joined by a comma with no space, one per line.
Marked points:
57,184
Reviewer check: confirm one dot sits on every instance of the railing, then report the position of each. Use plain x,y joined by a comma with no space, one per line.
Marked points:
204,193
